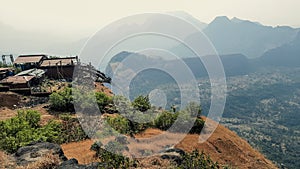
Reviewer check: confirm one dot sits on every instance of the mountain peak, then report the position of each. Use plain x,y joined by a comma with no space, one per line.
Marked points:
186,16
221,20
236,20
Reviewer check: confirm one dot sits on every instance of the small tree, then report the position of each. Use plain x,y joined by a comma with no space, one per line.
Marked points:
102,100
165,120
142,103
193,109
62,100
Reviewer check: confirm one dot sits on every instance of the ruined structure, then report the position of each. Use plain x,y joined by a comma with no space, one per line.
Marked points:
59,68
25,62
5,72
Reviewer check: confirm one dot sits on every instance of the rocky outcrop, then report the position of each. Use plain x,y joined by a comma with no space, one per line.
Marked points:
35,151
173,154
73,164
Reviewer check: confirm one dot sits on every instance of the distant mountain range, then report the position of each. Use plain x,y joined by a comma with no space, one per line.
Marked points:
287,55
234,64
248,38
189,18
275,45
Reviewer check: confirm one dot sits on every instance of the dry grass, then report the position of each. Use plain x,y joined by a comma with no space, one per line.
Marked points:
6,113
224,146
227,148
47,161
99,87
155,163
6,161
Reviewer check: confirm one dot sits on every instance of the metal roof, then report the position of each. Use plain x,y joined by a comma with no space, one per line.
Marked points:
5,69
17,79
32,72
58,62
29,59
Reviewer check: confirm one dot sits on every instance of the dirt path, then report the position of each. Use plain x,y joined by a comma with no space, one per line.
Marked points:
80,150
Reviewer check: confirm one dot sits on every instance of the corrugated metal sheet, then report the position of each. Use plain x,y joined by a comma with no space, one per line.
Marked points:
32,72
17,79
58,62
4,69
29,59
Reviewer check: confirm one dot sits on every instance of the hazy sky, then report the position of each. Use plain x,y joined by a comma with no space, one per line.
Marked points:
86,17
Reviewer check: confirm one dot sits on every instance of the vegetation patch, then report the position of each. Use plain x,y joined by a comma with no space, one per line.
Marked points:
24,129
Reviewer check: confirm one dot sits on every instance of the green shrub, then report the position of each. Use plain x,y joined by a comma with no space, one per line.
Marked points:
141,103
119,123
33,117
197,160
24,128
125,126
191,114
165,120
198,125
113,160
51,132
62,100
102,100
86,100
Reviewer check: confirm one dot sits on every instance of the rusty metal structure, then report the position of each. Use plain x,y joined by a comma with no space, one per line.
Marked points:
35,68
4,58
25,62
59,68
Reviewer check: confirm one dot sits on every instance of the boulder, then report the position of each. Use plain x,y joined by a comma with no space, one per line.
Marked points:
35,151
173,154
73,164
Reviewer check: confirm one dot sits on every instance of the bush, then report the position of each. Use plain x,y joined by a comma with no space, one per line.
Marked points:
197,160
62,100
33,117
102,100
198,125
113,160
194,109
86,100
183,118
120,124
141,103
125,126
71,130
165,120
24,128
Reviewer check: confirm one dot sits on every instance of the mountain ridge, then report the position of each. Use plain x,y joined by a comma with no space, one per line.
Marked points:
246,37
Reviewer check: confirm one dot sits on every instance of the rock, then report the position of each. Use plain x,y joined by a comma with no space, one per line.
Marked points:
73,164
173,154
34,152
71,161
176,150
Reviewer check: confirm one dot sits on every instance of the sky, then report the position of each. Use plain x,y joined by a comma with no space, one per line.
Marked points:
86,17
